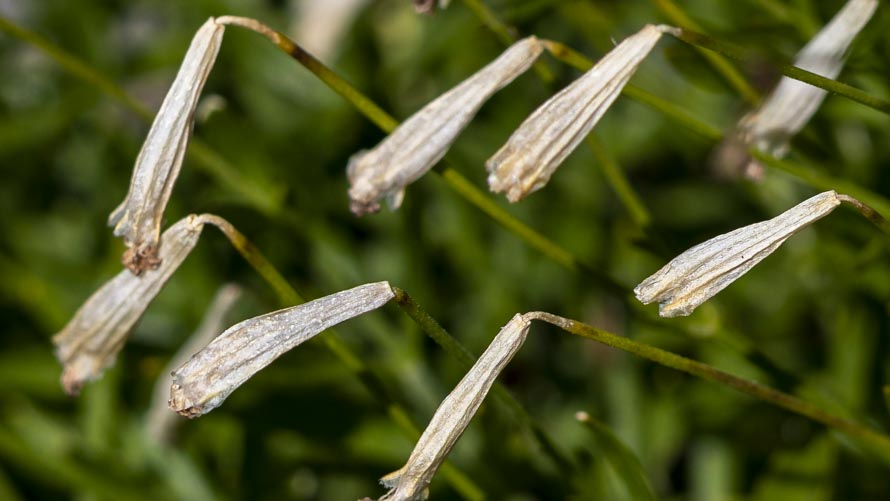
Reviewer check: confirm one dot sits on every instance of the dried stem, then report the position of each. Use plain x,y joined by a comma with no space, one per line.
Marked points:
869,213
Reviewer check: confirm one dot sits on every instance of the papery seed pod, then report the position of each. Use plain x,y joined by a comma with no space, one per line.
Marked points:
534,151
424,138
211,375
696,275
160,421
139,217
90,342
792,103
454,415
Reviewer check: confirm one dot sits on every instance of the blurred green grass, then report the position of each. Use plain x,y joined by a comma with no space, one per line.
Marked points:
303,428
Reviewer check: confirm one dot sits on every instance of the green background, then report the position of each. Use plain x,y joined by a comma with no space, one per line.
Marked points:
811,320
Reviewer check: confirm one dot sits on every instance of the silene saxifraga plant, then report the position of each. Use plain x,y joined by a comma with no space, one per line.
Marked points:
216,364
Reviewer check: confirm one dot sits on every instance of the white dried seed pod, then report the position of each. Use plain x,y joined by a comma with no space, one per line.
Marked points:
211,375
139,217
424,138
534,151
454,415
696,275
793,103
160,421
90,342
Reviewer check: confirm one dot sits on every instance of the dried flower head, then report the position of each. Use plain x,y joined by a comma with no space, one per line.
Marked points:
90,342
454,415
211,375
138,218
424,138
534,151
792,103
696,275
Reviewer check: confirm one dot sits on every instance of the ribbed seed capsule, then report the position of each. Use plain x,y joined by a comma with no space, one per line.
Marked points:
696,275
89,343
138,218
211,375
537,148
454,415
424,138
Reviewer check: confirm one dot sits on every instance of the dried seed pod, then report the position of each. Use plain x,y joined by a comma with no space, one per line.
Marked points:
424,138
454,415
696,275
211,375
534,151
138,218
160,421
90,342
792,103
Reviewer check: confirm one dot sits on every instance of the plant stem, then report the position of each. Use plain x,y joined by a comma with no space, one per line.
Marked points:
879,441
619,182
459,352
734,52
820,181
724,67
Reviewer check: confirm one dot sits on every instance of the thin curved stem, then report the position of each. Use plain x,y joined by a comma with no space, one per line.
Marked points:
867,212
878,441
701,40
720,64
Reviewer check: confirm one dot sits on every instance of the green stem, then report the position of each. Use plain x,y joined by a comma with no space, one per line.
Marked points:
459,352
734,52
626,464
879,441
616,178
506,34
288,296
674,112
723,67
266,201
821,181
